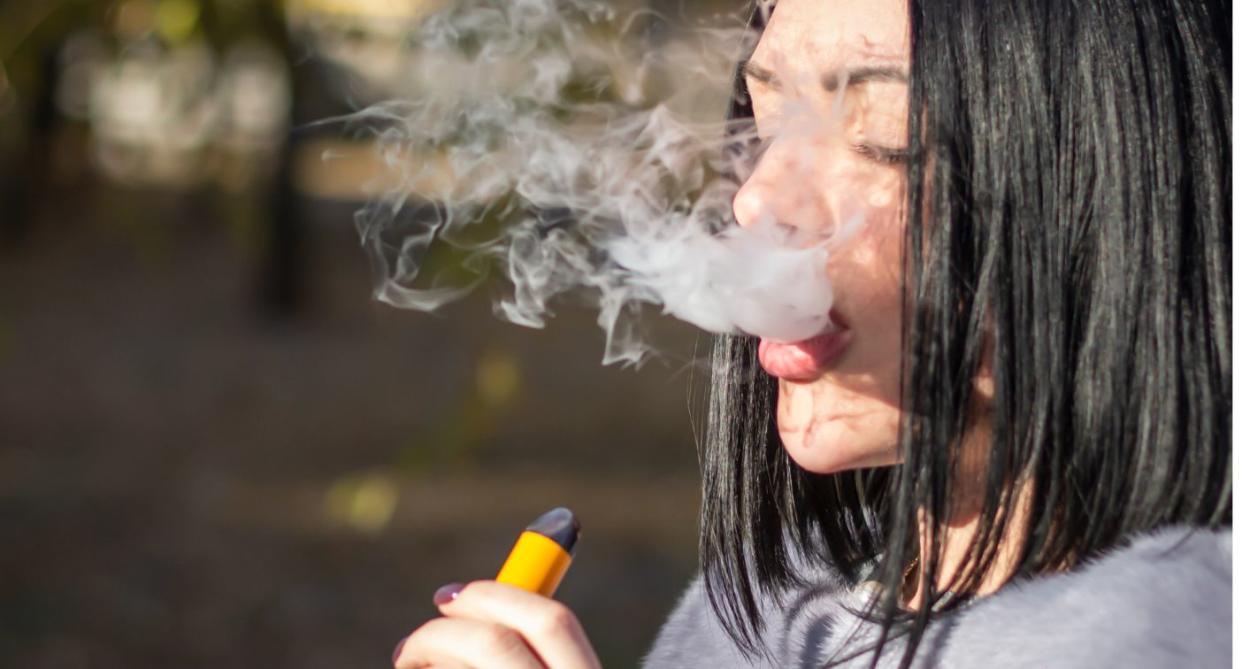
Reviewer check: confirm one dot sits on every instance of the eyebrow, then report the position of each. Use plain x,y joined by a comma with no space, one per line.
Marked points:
831,80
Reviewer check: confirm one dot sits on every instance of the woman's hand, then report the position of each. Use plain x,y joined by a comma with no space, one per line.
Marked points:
494,625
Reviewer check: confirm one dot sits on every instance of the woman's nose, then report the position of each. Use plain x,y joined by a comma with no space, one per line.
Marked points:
781,190
750,203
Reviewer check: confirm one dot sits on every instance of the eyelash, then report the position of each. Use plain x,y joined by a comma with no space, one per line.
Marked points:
881,154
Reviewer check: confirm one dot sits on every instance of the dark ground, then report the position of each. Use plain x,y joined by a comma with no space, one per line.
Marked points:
187,480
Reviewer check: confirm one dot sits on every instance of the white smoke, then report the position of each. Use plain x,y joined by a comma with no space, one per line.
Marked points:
582,160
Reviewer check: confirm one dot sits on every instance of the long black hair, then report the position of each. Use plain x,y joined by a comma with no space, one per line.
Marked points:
1068,216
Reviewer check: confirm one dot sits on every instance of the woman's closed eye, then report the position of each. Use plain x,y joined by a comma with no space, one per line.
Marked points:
883,155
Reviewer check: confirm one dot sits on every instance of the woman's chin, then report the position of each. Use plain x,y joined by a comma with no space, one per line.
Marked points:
826,455
825,434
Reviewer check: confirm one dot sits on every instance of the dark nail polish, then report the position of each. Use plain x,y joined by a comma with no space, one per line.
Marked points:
396,653
447,593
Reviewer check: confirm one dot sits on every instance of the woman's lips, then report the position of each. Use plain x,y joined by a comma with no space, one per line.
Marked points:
803,360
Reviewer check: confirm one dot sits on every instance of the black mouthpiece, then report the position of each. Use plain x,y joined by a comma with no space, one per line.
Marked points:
560,526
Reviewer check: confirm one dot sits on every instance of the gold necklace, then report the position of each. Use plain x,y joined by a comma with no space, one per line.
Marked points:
906,574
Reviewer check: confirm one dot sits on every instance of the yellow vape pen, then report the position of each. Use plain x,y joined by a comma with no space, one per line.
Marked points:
542,553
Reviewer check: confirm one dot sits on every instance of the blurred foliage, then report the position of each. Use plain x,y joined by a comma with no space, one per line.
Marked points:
365,502
197,486
362,502
453,441
498,379
33,31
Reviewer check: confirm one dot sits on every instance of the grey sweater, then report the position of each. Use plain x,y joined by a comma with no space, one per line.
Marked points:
1164,600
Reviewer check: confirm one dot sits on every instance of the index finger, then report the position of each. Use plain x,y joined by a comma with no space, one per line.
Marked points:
548,626
460,642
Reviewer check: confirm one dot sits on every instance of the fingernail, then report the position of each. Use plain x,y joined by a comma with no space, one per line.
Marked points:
447,593
396,653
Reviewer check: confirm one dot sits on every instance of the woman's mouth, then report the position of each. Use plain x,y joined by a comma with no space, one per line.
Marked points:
803,360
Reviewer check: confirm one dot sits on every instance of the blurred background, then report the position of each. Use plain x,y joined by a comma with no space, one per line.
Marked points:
215,448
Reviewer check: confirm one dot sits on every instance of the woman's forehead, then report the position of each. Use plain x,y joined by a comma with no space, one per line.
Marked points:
805,37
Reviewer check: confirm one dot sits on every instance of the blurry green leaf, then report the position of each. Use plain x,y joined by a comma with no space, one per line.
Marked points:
498,378
362,502
176,20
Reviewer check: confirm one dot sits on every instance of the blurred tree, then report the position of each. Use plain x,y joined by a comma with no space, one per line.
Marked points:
30,35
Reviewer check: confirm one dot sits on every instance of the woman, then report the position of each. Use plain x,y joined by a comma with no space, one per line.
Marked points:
1015,450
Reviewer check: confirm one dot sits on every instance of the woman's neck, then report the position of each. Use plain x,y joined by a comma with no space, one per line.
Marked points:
959,533
954,554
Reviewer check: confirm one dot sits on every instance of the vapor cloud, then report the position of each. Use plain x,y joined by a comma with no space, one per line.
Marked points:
579,155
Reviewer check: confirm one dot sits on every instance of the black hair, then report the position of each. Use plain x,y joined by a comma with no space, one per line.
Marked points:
1068,218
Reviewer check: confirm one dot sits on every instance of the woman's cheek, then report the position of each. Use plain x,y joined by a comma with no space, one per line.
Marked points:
849,418
866,276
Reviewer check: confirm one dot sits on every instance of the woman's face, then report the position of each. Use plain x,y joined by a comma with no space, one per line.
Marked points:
828,84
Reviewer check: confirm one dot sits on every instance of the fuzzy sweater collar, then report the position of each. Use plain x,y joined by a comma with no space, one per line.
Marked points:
1163,600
